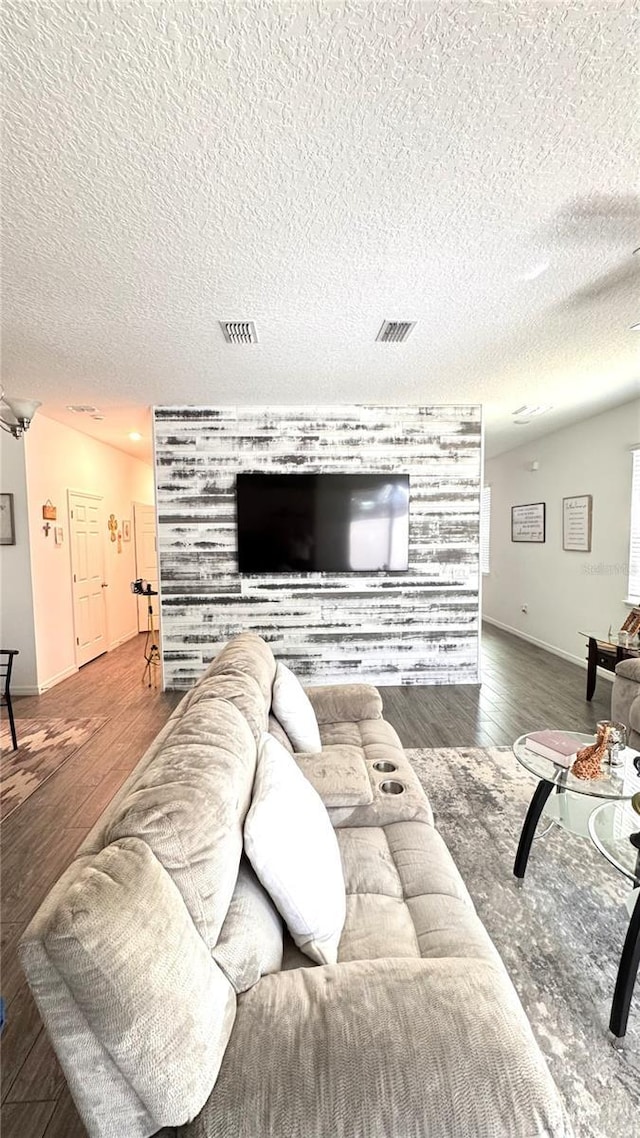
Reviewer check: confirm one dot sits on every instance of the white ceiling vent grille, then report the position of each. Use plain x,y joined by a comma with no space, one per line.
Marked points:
239,331
82,408
395,331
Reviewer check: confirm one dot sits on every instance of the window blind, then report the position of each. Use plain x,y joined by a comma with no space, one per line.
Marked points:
634,537
485,528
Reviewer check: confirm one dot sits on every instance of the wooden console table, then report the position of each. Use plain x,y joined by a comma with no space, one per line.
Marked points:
603,653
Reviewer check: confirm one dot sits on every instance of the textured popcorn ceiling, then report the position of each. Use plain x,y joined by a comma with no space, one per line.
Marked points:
319,167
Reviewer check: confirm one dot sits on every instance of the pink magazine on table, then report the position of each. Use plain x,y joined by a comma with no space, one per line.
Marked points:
555,745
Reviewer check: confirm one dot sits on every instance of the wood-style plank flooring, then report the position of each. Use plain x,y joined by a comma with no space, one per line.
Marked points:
523,688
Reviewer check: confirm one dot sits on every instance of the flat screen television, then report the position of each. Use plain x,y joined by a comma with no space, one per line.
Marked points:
329,523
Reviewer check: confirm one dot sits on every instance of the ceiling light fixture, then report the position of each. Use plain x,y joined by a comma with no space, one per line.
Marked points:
635,327
22,410
135,436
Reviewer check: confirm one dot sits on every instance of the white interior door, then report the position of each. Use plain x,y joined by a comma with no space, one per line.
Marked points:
87,567
144,524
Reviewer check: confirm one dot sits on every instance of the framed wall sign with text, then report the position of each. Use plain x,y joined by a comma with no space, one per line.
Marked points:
7,527
528,522
576,523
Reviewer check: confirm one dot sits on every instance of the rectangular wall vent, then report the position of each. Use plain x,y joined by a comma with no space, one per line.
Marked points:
395,331
239,331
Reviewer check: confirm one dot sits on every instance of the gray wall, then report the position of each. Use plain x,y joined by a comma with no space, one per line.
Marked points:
419,627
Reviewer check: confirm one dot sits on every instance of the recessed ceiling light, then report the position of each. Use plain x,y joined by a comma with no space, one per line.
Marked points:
135,436
536,270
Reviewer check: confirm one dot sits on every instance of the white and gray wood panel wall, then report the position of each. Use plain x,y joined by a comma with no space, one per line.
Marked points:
419,627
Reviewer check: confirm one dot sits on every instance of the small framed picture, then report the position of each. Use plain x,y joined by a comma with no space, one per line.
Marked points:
126,530
59,535
528,522
576,523
7,527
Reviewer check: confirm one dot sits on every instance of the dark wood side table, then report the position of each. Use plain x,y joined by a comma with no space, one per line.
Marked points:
603,653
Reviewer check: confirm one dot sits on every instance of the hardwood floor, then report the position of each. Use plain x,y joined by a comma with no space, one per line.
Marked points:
523,688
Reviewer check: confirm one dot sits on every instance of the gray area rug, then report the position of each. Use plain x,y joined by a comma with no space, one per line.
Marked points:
560,936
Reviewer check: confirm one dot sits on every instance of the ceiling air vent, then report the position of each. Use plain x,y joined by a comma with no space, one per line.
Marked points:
239,331
82,408
395,331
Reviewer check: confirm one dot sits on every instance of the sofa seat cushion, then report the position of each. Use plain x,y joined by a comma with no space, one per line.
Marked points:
339,775
629,669
378,744
405,897
383,1049
143,979
189,806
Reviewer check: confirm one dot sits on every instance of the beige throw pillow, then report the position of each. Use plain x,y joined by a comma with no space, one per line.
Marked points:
292,846
292,708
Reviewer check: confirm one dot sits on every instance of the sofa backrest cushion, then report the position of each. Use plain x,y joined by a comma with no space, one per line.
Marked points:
189,806
294,851
145,983
250,944
242,691
246,655
292,708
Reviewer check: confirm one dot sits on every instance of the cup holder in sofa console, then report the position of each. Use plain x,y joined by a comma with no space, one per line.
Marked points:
391,787
385,768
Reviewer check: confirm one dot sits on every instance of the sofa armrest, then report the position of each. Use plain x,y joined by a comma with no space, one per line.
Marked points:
345,703
629,669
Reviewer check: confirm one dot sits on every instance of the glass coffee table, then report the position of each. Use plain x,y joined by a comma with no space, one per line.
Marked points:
610,827
573,800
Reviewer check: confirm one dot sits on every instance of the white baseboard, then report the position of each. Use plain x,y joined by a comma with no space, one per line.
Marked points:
24,689
57,679
123,639
579,660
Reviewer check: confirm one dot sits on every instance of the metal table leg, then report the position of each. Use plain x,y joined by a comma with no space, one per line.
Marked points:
626,978
536,806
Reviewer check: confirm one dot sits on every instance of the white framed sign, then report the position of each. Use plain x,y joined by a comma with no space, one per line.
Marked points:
528,522
576,523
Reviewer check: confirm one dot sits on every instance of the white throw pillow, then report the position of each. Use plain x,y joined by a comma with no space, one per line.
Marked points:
292,708
293,848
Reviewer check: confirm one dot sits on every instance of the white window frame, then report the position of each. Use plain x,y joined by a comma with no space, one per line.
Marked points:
485,530
633,588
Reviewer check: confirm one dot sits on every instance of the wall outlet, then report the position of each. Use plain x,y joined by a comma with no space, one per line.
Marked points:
524,608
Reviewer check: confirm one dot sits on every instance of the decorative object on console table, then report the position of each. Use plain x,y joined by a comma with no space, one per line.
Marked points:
604,653
616,742
528,522
554,745
576,523
588,763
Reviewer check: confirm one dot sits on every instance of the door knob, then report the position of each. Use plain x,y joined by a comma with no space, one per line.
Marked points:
104,586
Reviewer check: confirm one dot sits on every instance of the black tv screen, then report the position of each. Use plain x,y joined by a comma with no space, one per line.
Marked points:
301,523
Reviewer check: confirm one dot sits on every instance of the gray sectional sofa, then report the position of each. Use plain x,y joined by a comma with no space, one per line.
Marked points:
177,1002
625,699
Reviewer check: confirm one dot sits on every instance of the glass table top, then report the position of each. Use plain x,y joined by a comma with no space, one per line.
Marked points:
611,641
617,782
609,827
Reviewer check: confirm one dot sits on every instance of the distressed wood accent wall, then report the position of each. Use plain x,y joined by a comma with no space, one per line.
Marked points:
419,627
